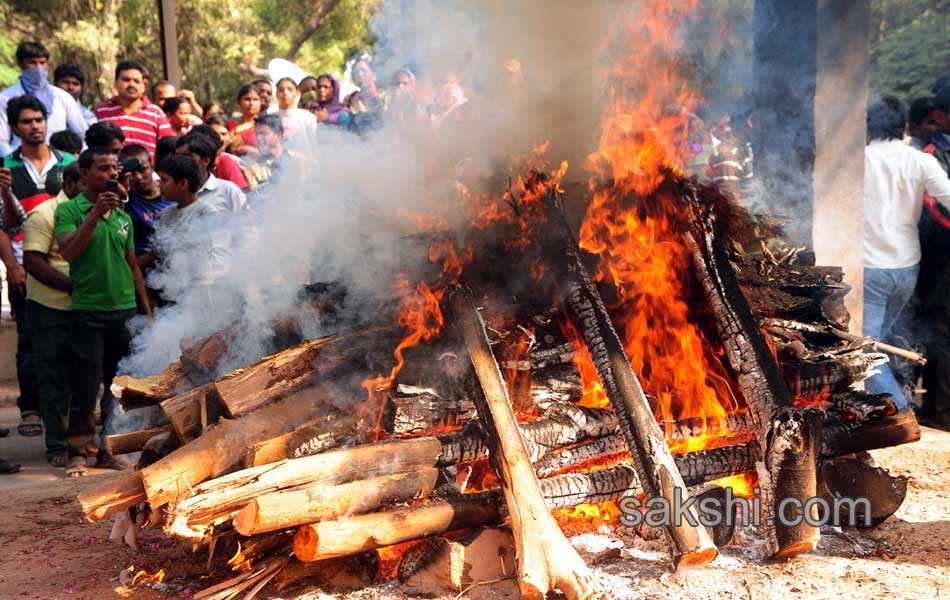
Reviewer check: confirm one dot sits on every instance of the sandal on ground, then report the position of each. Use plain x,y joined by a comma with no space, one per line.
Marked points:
58,460
76,467
8,468
30,426
104,460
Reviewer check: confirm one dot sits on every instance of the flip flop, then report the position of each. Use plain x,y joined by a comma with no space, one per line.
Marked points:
30,426
59,460
76,467
8,468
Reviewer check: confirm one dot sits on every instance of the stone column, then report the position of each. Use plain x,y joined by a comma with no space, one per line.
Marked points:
811,70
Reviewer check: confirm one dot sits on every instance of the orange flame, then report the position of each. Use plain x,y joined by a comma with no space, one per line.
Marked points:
635,225
144,577
743,484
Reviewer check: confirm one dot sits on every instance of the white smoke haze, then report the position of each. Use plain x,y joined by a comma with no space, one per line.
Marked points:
346,221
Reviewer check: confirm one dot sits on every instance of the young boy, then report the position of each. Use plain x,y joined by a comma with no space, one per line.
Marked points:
188,240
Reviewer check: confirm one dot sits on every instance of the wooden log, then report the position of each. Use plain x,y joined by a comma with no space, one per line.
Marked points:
853,478
695,467
335,575
563,424
413,410
346,536
314,436
542,358
119,494
318,502
202,356
844,335
733,425
215,501
483,555
126,443
298,367
251,550
134,392
587,312
220,449
255,385
810,378
191,412
846,437
859,405
546,561
785,432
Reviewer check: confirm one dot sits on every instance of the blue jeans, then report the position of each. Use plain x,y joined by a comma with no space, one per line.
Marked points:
886,293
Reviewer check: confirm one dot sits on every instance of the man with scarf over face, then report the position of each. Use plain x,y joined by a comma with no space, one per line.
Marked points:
61,109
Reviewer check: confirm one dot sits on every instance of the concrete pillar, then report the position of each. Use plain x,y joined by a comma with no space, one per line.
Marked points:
811,69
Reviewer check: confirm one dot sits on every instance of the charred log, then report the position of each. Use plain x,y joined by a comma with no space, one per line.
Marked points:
789,436
586,310
846,437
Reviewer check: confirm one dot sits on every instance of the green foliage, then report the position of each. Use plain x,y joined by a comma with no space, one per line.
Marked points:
219,41
910,58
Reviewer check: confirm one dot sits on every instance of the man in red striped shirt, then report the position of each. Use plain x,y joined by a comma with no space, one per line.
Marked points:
141,121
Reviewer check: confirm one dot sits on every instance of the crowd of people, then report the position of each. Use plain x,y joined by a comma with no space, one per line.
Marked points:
96,200
96,203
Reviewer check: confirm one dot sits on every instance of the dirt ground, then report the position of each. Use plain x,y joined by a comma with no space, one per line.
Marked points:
48,551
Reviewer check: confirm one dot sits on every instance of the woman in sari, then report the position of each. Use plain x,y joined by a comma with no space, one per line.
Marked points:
329,109
243,140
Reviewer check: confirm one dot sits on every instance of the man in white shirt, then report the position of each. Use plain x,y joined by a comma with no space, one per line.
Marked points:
192,244
62,111
895,179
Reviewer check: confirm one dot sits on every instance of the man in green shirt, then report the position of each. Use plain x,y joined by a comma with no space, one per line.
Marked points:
95,236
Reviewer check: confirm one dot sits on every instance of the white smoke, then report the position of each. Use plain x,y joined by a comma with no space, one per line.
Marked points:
346,222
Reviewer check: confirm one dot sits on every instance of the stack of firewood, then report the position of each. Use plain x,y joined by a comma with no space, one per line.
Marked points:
283,460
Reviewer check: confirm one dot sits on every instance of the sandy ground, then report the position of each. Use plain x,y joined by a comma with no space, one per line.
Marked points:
48,551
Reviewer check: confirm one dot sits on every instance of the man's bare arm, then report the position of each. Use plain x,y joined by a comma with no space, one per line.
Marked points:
37,265
147,260
16,276
74,243
139,281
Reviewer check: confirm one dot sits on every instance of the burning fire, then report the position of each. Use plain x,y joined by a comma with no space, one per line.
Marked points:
143,577
635,224
588,517
743,484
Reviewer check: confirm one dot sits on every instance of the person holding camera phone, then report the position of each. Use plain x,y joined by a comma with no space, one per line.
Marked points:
146,203
95,236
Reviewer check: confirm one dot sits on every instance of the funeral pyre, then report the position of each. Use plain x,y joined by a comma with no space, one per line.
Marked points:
533,374
678,348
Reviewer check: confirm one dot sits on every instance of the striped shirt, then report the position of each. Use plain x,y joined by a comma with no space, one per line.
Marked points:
143,126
